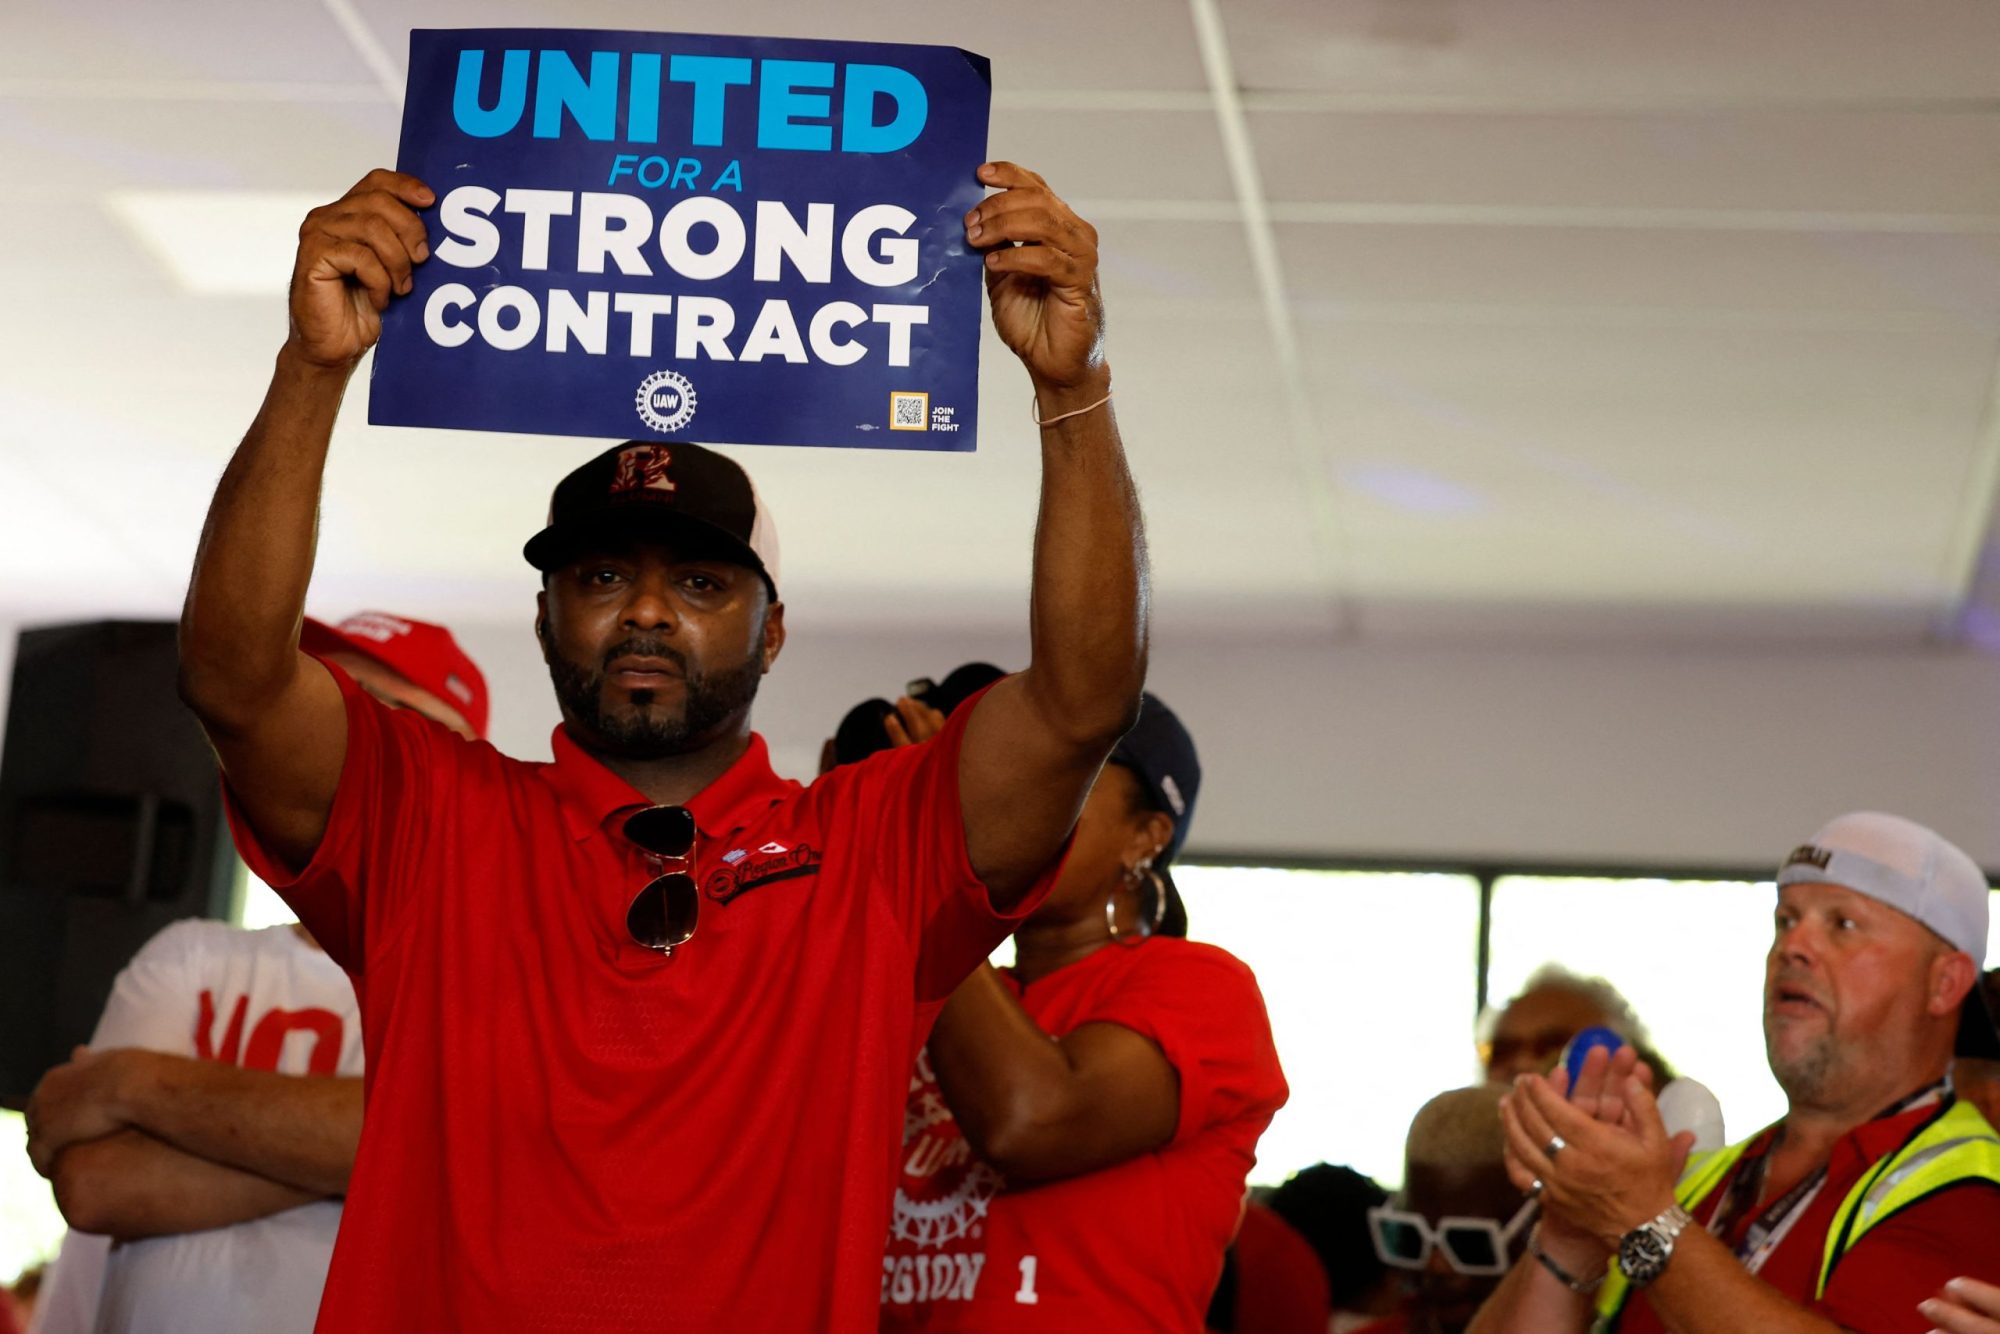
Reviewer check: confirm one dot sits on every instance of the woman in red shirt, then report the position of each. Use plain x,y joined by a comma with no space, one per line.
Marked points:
1080,1127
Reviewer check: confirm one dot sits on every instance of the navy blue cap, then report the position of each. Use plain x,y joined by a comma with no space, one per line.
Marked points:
1161,752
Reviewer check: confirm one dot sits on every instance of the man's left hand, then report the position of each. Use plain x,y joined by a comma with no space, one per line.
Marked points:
1604,1179
1966,1306
1041,277
77,1101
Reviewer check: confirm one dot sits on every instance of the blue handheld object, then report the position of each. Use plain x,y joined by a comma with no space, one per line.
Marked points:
1581,1046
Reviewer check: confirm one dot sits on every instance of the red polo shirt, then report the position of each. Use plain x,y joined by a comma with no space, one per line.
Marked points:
1134,1246
1879,1281
566,1131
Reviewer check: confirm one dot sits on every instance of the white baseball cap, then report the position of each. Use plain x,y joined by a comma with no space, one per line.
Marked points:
1918,872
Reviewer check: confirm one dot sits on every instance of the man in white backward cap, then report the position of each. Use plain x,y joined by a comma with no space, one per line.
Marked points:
1852,1213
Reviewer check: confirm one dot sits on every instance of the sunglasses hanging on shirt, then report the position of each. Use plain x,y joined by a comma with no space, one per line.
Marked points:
664,911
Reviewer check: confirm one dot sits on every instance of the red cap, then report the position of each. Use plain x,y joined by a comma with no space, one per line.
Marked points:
423,654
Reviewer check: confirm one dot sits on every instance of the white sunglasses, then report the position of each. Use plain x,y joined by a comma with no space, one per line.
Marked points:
1470,1245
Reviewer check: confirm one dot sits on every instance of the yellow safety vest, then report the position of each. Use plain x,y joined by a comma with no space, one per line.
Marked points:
1953,1147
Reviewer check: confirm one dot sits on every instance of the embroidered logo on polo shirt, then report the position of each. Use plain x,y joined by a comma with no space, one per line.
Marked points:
753,870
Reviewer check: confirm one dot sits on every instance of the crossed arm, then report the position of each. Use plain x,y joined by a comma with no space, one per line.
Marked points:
140,1143
1038,1107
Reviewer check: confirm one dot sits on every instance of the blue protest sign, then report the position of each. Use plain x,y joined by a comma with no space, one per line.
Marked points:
741,240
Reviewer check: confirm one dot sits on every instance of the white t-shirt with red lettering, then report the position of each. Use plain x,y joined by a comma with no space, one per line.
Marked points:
263,1000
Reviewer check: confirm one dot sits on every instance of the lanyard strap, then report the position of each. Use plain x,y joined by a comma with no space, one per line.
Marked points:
1775,1223
1772,1226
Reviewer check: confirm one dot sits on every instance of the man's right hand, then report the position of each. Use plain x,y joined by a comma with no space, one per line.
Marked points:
355,255
1599,1093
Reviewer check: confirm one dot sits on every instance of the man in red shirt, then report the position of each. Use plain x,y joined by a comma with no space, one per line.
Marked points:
1876,1189
634,1068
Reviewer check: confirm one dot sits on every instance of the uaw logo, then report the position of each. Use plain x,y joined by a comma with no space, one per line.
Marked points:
768,865
666,401
642,468
944,1191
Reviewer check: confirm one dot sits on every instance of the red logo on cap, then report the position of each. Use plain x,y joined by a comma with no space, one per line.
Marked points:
642,468
374,625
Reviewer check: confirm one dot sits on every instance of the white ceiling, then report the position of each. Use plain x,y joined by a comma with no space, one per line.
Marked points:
1482,316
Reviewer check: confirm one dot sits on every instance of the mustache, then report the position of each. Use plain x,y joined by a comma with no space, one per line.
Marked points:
640,646
1795,978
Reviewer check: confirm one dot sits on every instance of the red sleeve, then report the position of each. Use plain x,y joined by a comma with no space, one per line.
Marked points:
381,817
905,810
1202,1006
1876,1286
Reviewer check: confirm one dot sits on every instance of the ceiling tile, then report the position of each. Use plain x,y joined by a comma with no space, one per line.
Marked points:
1585,269
1702,466
1618,52
1033,44
108,41
1874,162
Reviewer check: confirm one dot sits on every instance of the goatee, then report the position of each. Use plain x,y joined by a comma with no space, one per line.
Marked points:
645,731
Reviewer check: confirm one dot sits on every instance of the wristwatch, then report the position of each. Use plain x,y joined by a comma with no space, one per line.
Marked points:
1644,1251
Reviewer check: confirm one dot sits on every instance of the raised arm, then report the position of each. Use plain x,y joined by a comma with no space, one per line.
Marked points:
1037,739
274,716
301,1131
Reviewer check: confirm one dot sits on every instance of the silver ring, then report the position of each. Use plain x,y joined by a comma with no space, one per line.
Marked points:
1555,1146
1535,1189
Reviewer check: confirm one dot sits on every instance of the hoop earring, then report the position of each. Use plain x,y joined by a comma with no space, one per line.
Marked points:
1111,917
1159,902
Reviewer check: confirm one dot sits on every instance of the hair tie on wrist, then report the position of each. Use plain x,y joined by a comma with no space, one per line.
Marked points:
1035,408
1569,1280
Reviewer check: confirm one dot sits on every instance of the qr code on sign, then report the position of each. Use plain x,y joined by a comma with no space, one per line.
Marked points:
909,412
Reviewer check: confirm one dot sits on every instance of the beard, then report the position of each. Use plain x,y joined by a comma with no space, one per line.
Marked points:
1804,1071
646,730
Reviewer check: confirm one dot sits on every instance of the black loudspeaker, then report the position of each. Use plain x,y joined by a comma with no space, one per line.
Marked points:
111,827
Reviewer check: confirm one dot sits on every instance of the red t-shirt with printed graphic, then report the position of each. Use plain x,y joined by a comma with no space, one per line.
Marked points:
1134,1246
568,1132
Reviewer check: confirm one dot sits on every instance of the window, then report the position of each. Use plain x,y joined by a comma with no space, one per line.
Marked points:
258,904
1688,955
1370,979
30,1227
